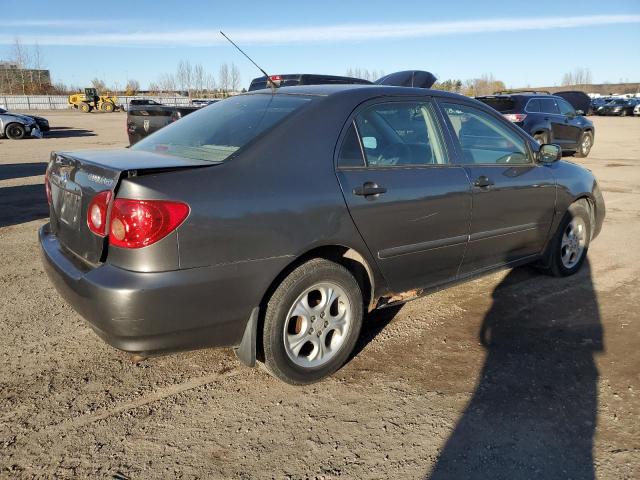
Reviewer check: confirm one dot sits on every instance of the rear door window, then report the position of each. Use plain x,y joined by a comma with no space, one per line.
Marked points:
400,134
351,151
549,105
565,108
533,106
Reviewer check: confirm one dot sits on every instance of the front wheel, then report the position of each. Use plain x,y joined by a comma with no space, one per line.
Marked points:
584,147
571,241
15,131
108,107
312,322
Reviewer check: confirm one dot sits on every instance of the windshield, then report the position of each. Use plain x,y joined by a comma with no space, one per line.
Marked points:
219,130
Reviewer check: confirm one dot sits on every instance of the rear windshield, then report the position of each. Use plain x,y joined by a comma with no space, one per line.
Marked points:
217,131
500,104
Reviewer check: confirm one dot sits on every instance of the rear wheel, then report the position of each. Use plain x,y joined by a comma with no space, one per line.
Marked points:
85,107
571,241
541,138
312,322
108,107
15,131
584,147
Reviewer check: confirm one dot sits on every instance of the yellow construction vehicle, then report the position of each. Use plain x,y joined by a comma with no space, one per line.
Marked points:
90,100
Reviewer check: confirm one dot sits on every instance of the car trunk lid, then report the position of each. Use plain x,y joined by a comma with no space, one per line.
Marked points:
75,178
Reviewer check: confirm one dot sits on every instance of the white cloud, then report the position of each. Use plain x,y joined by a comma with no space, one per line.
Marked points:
320,34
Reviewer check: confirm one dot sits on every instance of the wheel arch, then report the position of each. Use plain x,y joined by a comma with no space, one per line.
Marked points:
344,255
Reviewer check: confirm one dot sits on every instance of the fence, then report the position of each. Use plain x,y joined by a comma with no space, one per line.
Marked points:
59,102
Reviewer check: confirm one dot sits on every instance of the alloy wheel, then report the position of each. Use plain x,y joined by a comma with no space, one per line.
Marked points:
317,325
573,242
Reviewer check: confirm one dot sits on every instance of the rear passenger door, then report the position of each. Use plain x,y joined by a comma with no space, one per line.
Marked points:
411,205
560,128
513,196
573,125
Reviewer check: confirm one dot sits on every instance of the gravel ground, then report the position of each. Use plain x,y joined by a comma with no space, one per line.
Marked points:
516,375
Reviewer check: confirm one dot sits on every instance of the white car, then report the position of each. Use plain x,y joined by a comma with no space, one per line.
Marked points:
636,110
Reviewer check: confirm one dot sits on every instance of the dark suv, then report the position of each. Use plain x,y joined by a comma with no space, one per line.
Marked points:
547,118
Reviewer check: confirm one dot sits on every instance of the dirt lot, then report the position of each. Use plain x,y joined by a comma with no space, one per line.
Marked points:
553,393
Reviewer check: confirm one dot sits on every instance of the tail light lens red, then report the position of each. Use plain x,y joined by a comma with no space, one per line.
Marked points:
139,223
97,213
515,117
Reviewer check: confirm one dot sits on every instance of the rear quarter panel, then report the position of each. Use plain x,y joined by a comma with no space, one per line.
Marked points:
278,199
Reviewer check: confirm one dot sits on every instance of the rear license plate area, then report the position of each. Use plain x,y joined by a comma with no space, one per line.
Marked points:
67,205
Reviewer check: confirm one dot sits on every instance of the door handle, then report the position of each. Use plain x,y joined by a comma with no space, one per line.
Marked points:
483,182
369,189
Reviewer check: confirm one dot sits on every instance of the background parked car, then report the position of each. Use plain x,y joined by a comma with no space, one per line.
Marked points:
17,126
547,118
620,106
143,120
636,109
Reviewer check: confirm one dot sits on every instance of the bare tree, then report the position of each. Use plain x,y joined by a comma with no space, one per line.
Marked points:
210,83
580,76
184,75
167,82
198,78
154,88
234,78
133,86
21,57
99,85
223,78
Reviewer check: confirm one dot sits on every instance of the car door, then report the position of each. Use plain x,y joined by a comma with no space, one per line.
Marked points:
411,205
559,123
513,196
573,124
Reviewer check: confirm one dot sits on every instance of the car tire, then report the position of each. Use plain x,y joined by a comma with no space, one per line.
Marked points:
584,147
569,246
541,138
15,131
108,107
312,322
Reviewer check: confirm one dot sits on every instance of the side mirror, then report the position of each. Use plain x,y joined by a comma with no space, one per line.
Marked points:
579,112
549,153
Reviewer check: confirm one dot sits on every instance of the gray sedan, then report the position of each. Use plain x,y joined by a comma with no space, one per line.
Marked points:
271,222
17,126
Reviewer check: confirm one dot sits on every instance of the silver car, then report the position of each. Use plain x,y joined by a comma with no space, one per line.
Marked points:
16,126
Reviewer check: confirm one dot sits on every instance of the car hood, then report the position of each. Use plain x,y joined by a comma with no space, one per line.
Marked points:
25,118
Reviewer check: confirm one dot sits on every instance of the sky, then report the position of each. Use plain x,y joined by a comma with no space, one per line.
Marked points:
522,43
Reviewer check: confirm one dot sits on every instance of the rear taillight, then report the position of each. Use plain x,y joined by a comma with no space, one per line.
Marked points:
138,223
97,213
47,189
515,117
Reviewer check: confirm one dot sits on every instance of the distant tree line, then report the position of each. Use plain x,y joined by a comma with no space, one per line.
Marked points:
364,74
485,85
194,80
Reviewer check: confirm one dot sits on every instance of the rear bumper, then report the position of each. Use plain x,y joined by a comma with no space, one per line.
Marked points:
162,311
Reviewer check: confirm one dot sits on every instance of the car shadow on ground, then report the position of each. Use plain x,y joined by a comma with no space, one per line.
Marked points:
22,204
68,132
533,413
22,170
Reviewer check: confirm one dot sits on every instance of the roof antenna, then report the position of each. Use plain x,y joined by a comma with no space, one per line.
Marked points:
270,82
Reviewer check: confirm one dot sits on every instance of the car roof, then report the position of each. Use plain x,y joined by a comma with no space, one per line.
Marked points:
359,89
